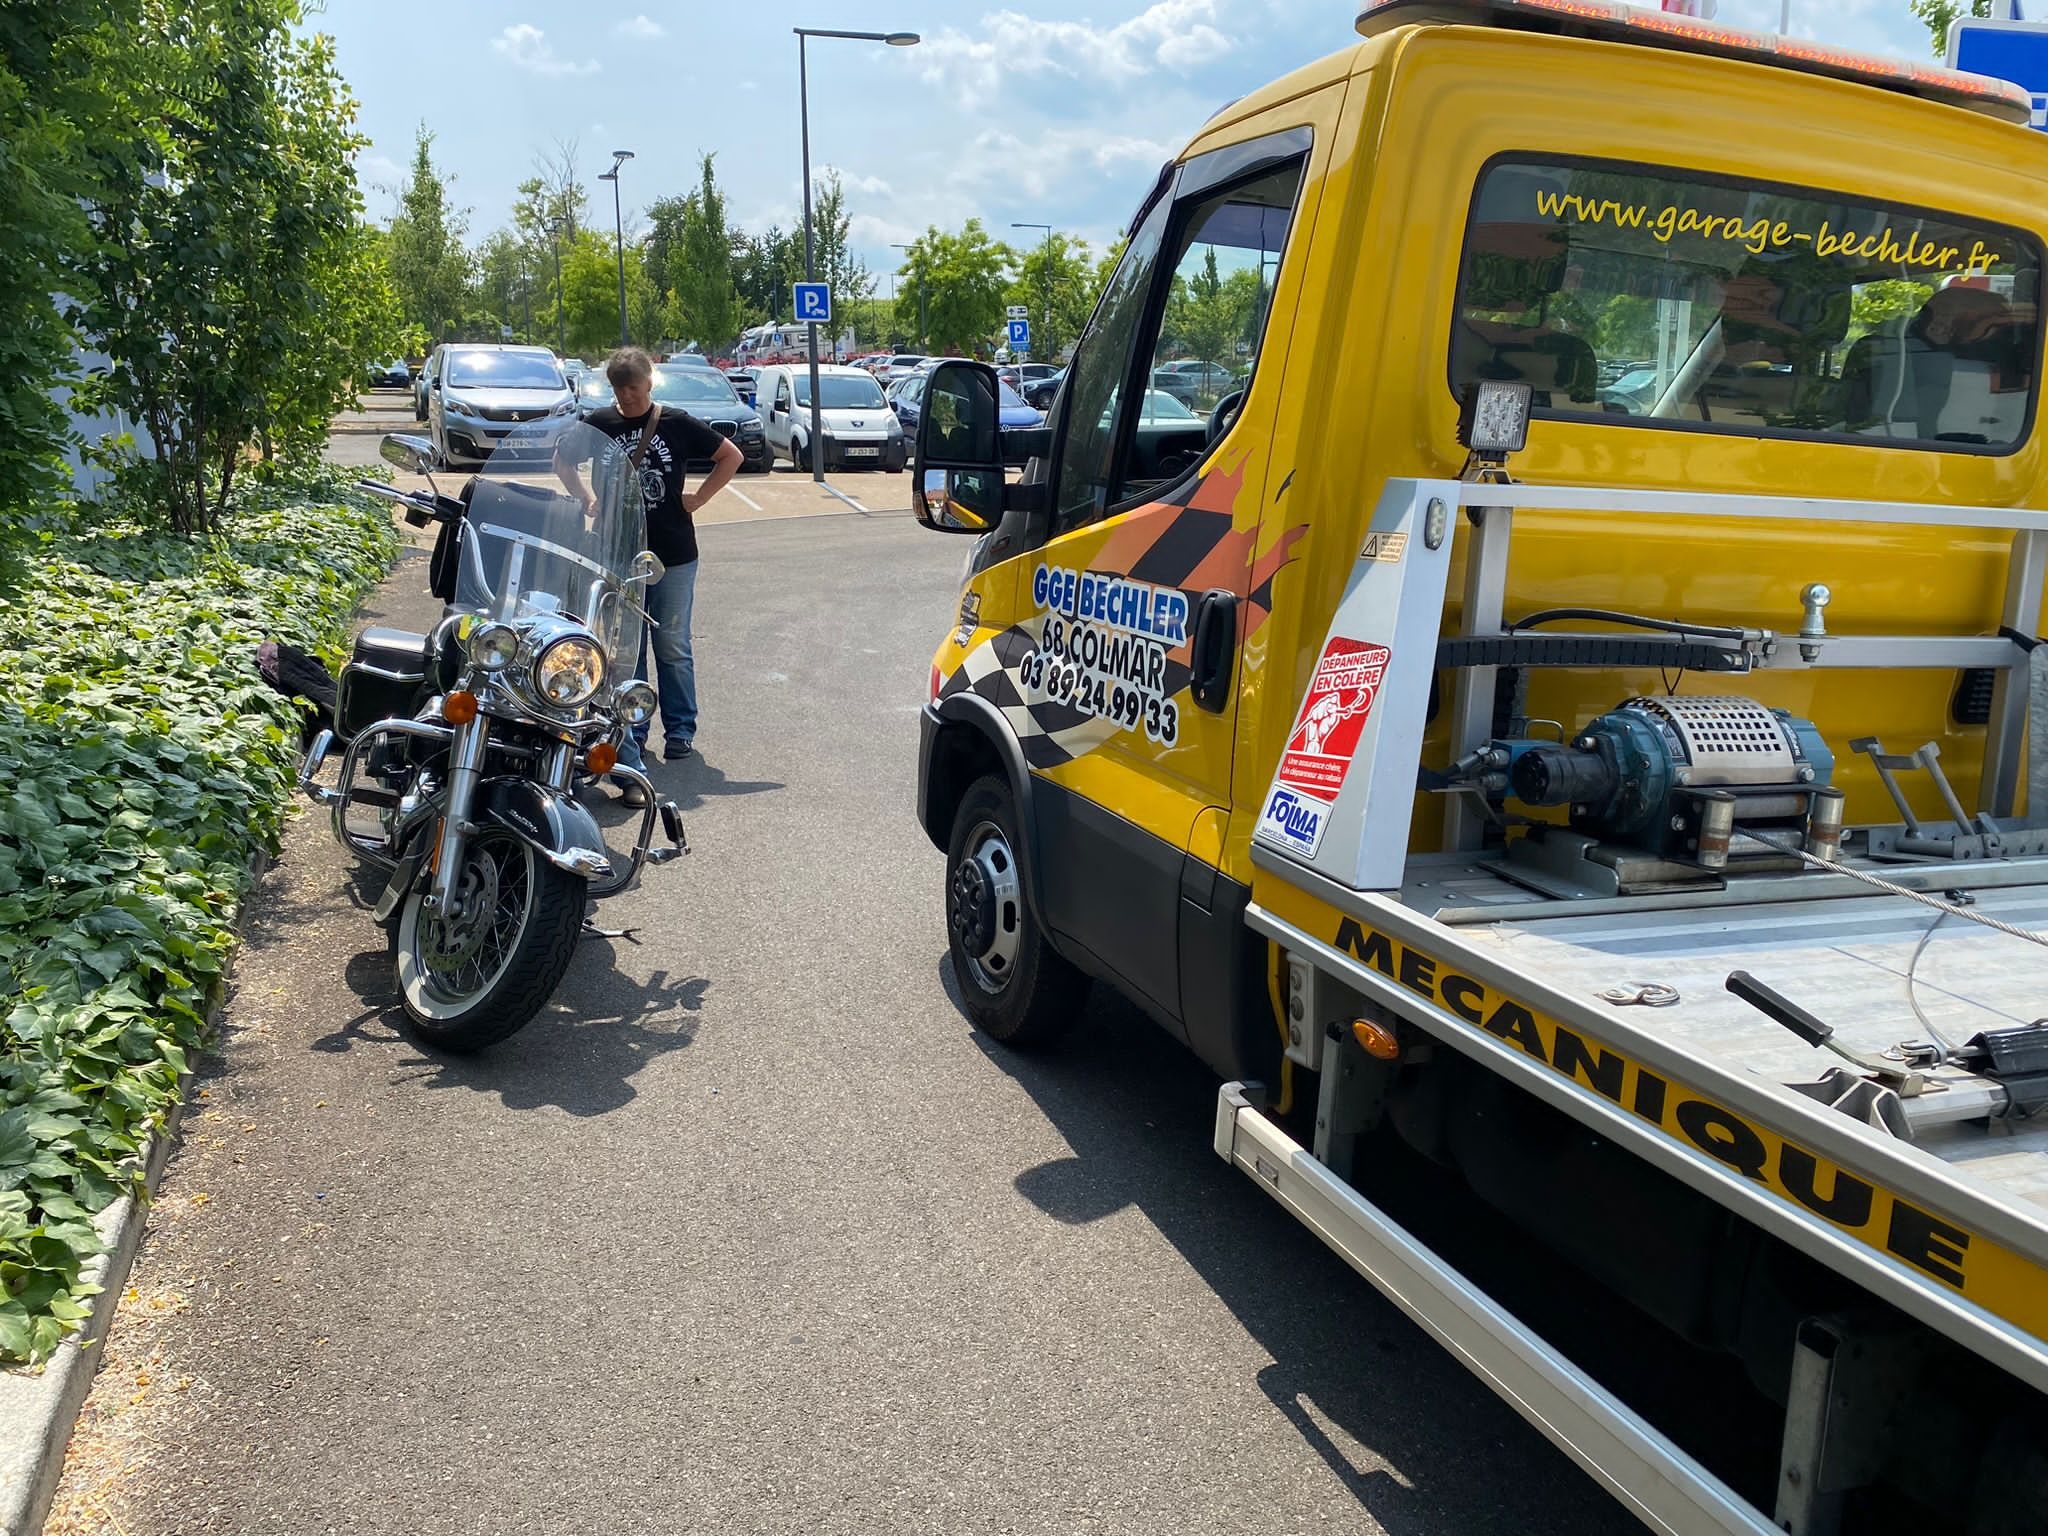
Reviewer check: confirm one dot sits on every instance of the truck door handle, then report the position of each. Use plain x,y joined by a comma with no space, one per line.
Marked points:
1213,650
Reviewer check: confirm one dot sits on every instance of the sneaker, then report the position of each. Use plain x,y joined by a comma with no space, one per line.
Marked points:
676,751
631,794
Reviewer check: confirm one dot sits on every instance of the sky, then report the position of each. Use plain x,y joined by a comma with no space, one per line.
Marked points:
1061,116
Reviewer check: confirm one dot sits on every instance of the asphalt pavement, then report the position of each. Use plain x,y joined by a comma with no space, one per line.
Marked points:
748,1231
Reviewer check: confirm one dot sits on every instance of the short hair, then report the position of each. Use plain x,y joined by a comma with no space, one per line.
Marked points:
628,365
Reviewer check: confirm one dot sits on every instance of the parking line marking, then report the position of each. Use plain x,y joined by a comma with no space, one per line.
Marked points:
829,486
743,496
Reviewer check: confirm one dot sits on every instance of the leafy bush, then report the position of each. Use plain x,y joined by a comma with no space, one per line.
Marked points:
143,762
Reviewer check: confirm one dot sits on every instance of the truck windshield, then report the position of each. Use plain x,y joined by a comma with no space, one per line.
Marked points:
1643,295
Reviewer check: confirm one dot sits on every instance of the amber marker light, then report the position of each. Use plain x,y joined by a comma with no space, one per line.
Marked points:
602,758
1377,1039
459,708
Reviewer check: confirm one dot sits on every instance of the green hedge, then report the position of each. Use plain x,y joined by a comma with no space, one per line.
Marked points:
143,762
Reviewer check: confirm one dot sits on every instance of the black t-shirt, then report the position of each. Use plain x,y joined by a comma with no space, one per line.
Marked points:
678,438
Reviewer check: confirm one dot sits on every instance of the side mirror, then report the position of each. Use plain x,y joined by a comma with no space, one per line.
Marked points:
415,454
959,451
646,568
959,500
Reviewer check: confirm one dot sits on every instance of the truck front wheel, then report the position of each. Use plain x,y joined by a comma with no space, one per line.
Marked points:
1013,986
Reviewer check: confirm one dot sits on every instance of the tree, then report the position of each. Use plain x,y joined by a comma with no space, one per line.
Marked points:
1056,282
225,220
764,267
831,226
962,278
505,279
429,266
700,274
552,195
54,102
1938,14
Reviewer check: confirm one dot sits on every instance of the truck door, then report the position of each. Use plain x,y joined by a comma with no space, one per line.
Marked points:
1141,587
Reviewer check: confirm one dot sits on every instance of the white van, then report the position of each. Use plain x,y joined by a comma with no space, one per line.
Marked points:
861,432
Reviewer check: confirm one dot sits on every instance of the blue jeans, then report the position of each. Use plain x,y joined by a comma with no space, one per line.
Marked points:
669,602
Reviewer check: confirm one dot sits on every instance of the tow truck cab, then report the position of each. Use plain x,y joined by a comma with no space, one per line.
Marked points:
1254,711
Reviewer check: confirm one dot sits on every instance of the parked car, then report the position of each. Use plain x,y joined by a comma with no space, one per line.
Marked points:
860,429
1195,383
1040,392
390,373
1632,394
574,368
706,395
899,366
906,399
742,382
481,393
593,391
423,383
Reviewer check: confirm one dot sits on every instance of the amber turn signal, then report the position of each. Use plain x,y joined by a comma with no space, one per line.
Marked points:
459,707
1377,1039
602,758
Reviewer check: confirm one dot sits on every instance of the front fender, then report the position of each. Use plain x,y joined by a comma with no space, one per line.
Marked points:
960,734
549,821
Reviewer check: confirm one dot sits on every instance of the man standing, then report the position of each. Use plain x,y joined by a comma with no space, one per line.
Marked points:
677,439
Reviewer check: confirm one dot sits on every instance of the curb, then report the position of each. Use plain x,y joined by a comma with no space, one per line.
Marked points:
39,1409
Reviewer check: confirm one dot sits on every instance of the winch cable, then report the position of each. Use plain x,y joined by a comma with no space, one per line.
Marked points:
1933,903
1943,911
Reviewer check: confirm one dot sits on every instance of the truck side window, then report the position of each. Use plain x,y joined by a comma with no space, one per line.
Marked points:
1096,379
1226,253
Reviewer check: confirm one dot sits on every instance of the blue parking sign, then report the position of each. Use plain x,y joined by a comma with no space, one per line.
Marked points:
813,303
1020,335
2005,50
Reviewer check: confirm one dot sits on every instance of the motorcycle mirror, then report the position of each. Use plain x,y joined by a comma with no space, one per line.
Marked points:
408,452
646,568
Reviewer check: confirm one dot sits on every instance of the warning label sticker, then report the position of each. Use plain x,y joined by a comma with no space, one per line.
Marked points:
1333,717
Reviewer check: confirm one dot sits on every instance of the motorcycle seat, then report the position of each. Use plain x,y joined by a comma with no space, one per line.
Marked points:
393,650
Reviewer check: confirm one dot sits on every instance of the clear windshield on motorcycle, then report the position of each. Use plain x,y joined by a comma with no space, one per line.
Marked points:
555,523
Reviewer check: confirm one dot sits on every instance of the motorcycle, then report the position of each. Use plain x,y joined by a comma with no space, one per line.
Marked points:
468,743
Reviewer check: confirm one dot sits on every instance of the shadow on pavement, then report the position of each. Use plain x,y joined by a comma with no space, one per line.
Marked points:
578,1057
1138,1111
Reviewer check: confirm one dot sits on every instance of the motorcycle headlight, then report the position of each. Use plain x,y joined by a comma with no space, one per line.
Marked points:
569,671
493,646
637,702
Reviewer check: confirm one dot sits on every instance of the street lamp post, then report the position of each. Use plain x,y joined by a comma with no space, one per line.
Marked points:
921,343
619,158
803,85
561,318
1046,293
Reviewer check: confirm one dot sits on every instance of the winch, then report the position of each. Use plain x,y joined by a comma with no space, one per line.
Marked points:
1676,777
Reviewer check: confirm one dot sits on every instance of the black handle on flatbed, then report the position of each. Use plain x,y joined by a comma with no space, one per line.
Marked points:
1775,1004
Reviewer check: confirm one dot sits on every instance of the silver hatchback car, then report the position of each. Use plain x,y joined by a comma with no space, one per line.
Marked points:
480,393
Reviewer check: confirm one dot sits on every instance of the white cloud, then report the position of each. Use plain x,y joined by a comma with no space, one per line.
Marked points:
853,181
642,27
379,171
528,47
1176,35
750,85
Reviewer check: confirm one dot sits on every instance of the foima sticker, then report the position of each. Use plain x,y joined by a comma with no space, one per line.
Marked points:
1294,821
1333,717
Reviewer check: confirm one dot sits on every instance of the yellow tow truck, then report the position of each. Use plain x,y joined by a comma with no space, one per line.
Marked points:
1552,697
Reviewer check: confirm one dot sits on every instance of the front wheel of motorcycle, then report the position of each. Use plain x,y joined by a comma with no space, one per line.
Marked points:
470,980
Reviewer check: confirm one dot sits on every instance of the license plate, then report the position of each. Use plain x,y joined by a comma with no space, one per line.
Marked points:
863,453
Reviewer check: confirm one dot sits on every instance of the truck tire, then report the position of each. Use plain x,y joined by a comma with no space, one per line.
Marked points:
1013,986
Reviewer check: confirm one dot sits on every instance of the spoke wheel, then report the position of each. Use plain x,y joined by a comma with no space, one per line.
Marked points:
472,976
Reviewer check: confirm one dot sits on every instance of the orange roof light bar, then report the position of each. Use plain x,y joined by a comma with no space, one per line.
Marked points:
1612,21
